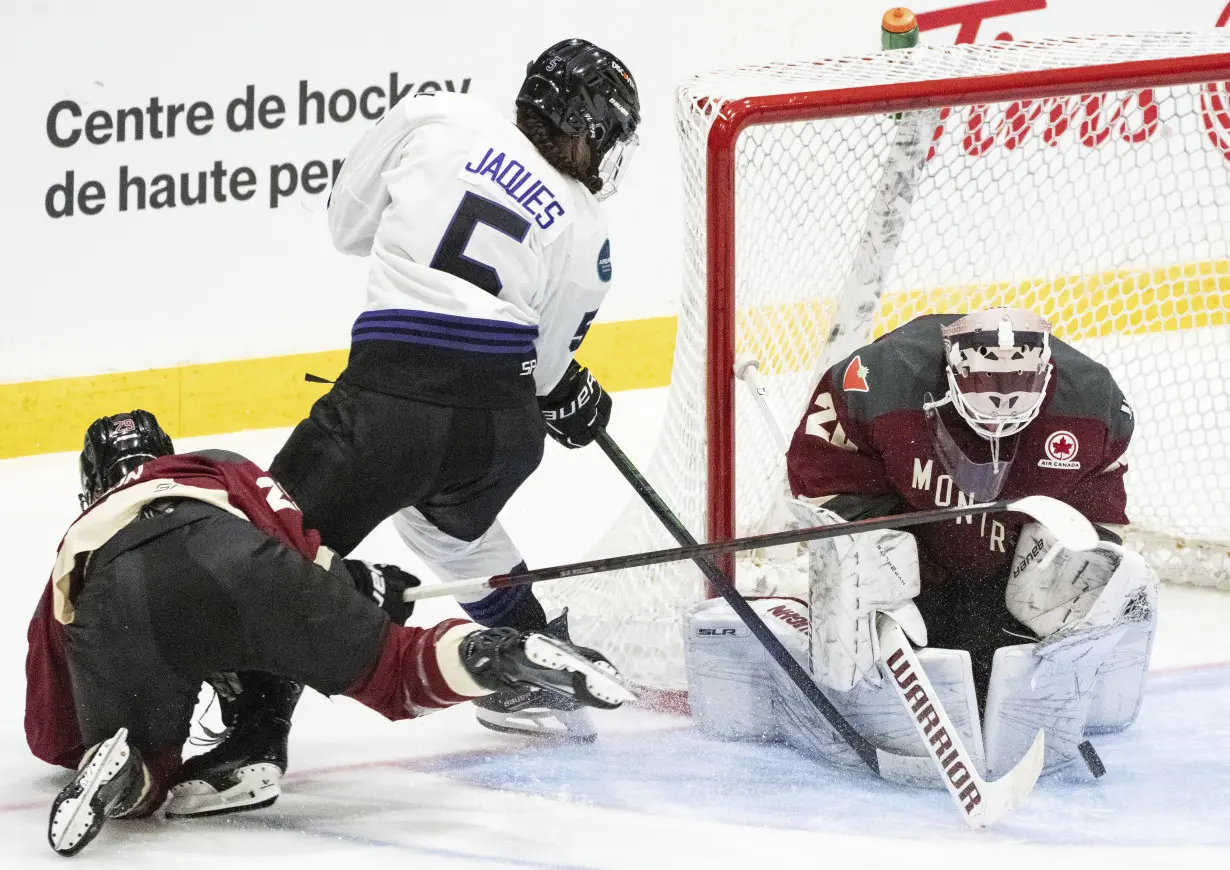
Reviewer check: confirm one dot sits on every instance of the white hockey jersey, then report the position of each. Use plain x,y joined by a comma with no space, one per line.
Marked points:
487,264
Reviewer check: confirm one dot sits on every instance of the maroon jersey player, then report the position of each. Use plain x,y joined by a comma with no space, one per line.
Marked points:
186,567
951,409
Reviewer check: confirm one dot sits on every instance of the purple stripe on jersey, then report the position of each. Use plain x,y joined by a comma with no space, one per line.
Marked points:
473,324
485,339
429,329
506,348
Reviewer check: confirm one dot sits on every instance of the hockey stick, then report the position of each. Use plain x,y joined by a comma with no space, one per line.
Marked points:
1070,528
981,802
896,768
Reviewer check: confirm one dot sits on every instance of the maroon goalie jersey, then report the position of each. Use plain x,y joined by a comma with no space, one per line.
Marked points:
865,434
223,479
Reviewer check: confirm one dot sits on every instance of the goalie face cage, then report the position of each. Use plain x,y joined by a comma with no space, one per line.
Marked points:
1087,179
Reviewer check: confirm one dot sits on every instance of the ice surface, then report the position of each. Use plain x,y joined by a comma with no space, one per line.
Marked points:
443,792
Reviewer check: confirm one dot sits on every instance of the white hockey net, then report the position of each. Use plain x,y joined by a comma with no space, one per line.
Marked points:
1107,212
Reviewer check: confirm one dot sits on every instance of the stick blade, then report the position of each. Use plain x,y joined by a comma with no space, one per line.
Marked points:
912,770
1004,794
1065,522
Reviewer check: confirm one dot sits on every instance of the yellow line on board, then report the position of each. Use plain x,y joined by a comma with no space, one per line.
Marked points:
211,398
785,337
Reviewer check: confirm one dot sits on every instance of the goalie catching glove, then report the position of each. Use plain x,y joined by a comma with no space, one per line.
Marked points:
577,409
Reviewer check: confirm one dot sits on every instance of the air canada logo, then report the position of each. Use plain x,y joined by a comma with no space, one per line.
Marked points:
1061,449
855,378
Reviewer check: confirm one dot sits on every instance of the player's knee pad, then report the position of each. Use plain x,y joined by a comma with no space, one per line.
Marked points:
850,579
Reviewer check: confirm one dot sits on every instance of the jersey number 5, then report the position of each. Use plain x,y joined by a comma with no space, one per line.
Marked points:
474,210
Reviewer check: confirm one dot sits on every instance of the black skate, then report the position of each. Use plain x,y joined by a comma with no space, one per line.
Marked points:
244,771
110,783
546,681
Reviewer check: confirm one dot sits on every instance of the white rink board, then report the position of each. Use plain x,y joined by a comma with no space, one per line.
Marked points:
228,280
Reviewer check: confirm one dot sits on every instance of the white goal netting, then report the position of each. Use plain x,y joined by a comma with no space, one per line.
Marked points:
1107,212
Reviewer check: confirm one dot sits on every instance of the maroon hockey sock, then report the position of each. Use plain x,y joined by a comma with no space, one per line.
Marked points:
407,680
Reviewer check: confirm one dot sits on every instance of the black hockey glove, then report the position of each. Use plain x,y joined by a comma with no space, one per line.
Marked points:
384,584
577,409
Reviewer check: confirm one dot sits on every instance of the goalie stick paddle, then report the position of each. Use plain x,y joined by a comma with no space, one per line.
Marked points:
981,802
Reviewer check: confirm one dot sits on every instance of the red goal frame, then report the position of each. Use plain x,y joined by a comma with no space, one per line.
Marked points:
737,115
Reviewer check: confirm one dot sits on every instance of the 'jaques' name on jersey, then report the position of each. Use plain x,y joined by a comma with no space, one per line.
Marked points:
519,183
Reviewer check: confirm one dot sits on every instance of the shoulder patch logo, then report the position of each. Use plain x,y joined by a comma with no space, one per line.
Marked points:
604,262
855,378
1061,449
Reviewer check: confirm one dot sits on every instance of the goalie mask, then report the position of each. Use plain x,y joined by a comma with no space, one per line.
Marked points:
998,366
115,446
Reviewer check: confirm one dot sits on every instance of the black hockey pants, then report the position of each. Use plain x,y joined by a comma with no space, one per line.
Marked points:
175,598
362,456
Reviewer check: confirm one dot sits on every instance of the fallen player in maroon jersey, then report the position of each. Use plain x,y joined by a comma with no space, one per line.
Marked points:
183,569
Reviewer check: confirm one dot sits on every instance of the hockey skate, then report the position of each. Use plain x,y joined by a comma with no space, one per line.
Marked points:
111,782
542,682
243,772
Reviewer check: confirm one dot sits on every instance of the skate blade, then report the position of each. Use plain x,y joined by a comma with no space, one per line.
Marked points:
256,786
563,726
603,683
75,818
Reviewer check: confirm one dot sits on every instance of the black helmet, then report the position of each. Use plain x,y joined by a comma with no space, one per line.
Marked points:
115,446
585,91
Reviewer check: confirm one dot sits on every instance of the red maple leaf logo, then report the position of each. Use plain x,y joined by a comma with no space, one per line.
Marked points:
855,378
1062,446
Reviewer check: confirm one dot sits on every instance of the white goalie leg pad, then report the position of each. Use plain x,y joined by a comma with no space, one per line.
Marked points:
1096,612
737,692
453,559
1119,690
850,579
730,689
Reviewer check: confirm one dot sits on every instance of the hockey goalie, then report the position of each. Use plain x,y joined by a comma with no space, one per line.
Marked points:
1018,634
